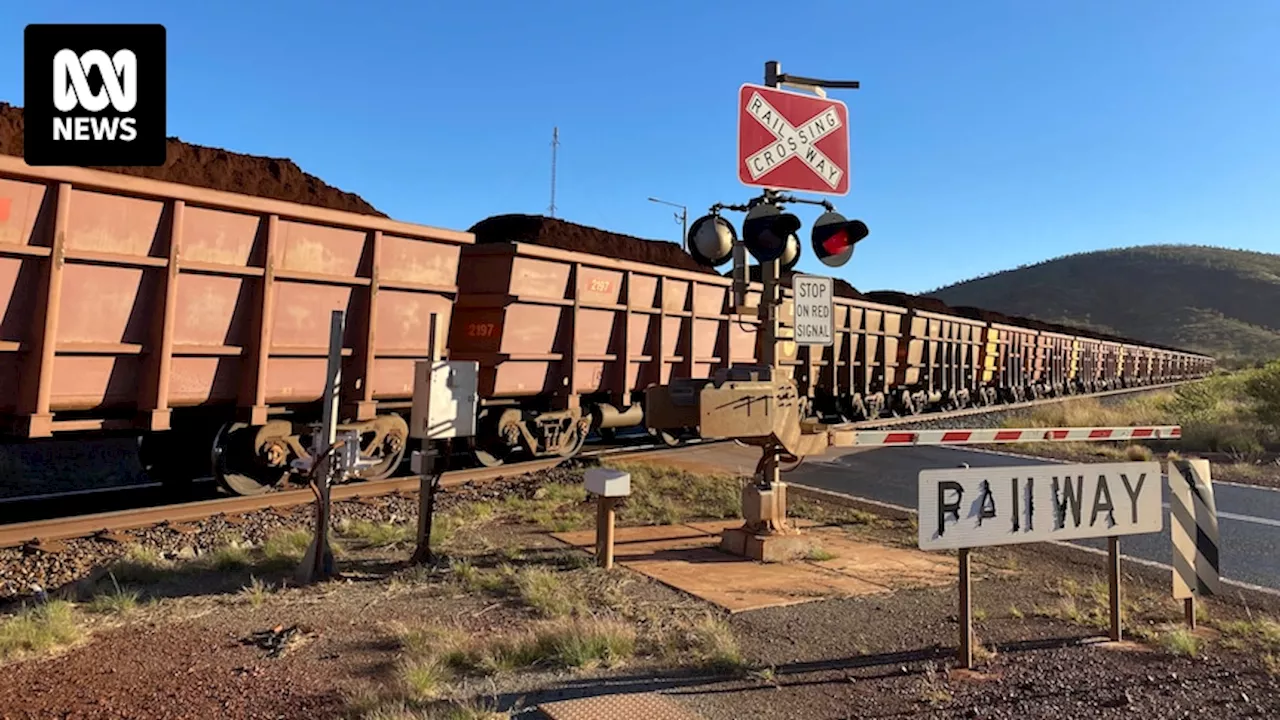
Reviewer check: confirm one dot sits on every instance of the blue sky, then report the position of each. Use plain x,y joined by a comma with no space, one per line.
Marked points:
987,134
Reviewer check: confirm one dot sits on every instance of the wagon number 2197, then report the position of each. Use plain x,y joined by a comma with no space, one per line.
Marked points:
480,329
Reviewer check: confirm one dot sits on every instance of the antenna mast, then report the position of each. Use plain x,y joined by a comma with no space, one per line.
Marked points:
555,144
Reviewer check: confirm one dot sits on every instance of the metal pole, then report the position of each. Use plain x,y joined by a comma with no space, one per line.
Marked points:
684,228
966,611
321,555
1113,576
429,476
768,314
682,217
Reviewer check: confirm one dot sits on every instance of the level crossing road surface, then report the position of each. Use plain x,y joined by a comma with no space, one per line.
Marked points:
1248,517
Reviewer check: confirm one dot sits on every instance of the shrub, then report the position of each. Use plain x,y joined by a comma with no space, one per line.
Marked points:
1263,388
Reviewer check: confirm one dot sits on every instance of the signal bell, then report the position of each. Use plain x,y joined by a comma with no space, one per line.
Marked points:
834,238
711,240
767,232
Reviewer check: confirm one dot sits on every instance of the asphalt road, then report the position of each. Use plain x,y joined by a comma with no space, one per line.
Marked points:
1248,517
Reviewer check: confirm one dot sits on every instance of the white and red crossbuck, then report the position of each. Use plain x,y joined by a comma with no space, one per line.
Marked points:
792,141
872,438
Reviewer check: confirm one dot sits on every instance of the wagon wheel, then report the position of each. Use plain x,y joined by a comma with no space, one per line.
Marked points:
669,439
490,454
575,447
388,441
235,457
490,447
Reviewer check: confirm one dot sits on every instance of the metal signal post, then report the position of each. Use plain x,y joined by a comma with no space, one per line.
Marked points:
779,134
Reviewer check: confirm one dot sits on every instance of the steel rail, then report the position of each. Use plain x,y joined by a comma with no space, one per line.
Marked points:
45,533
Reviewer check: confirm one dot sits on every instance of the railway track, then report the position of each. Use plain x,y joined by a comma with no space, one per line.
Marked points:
47,534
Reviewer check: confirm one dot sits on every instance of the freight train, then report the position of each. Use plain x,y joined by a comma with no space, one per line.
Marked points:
197,320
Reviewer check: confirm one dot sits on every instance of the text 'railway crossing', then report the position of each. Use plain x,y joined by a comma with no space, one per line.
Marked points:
792,141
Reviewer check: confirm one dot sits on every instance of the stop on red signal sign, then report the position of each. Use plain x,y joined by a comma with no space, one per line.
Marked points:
792,141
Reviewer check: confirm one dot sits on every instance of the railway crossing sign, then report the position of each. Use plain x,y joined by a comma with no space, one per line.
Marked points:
792,141
814,308
968,508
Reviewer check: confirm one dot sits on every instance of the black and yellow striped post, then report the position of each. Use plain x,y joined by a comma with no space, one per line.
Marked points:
1194,527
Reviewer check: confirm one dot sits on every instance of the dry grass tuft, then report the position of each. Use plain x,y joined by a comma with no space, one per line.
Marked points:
38,630
665,496
1180,642
544,591
377,534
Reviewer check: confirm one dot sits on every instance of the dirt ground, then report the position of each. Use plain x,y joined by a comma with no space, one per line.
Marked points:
507,618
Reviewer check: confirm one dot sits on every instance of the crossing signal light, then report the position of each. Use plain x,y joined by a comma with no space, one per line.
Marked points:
711,240
834,238
767,233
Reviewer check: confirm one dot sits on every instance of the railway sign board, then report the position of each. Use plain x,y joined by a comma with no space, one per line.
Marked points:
968,508
792,141
814,297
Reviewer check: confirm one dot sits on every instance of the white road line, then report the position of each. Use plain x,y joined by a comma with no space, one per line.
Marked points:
1243,518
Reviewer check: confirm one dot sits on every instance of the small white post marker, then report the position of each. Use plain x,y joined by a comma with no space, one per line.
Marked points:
607,485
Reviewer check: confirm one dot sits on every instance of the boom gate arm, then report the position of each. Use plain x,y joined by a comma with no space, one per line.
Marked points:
751,404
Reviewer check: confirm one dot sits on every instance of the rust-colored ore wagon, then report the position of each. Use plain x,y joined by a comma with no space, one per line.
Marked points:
184,313
570,324
940,362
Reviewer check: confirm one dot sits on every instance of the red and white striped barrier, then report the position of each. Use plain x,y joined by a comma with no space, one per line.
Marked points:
868,438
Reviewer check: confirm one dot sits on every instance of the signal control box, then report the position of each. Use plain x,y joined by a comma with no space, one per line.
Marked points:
445,399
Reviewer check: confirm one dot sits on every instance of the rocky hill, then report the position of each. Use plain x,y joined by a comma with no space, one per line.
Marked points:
1214,300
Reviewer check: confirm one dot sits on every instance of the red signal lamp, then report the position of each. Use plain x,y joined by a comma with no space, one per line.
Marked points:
834,237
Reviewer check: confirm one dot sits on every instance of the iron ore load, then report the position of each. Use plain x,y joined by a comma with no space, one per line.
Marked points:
197,319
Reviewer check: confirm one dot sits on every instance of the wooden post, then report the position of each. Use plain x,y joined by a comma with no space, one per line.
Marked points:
1189,610
966,611
604,532
1113,576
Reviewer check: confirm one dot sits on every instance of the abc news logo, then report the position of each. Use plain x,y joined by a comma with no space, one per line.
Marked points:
71,90
95,95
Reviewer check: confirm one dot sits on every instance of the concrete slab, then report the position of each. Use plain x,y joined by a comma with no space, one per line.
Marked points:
896,568
686,557
650,706
639,543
